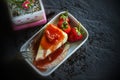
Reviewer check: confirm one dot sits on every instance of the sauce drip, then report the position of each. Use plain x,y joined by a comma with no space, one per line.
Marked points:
40,63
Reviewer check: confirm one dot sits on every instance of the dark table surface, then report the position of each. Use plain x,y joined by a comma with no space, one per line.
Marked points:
97,59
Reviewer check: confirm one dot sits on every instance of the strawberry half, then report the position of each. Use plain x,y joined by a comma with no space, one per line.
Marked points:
75,34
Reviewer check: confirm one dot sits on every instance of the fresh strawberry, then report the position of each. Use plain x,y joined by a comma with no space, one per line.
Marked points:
65,26
75,34
63,22
64,17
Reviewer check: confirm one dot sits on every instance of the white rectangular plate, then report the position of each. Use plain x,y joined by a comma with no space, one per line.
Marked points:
25,49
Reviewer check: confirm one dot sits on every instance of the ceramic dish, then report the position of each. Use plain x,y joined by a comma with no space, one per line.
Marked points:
27,54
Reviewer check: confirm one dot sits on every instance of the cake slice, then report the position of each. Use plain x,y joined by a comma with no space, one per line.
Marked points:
52,39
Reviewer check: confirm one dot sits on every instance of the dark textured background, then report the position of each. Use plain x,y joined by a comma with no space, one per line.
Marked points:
97,59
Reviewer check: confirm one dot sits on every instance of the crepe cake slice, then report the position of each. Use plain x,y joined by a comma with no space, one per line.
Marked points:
52,39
